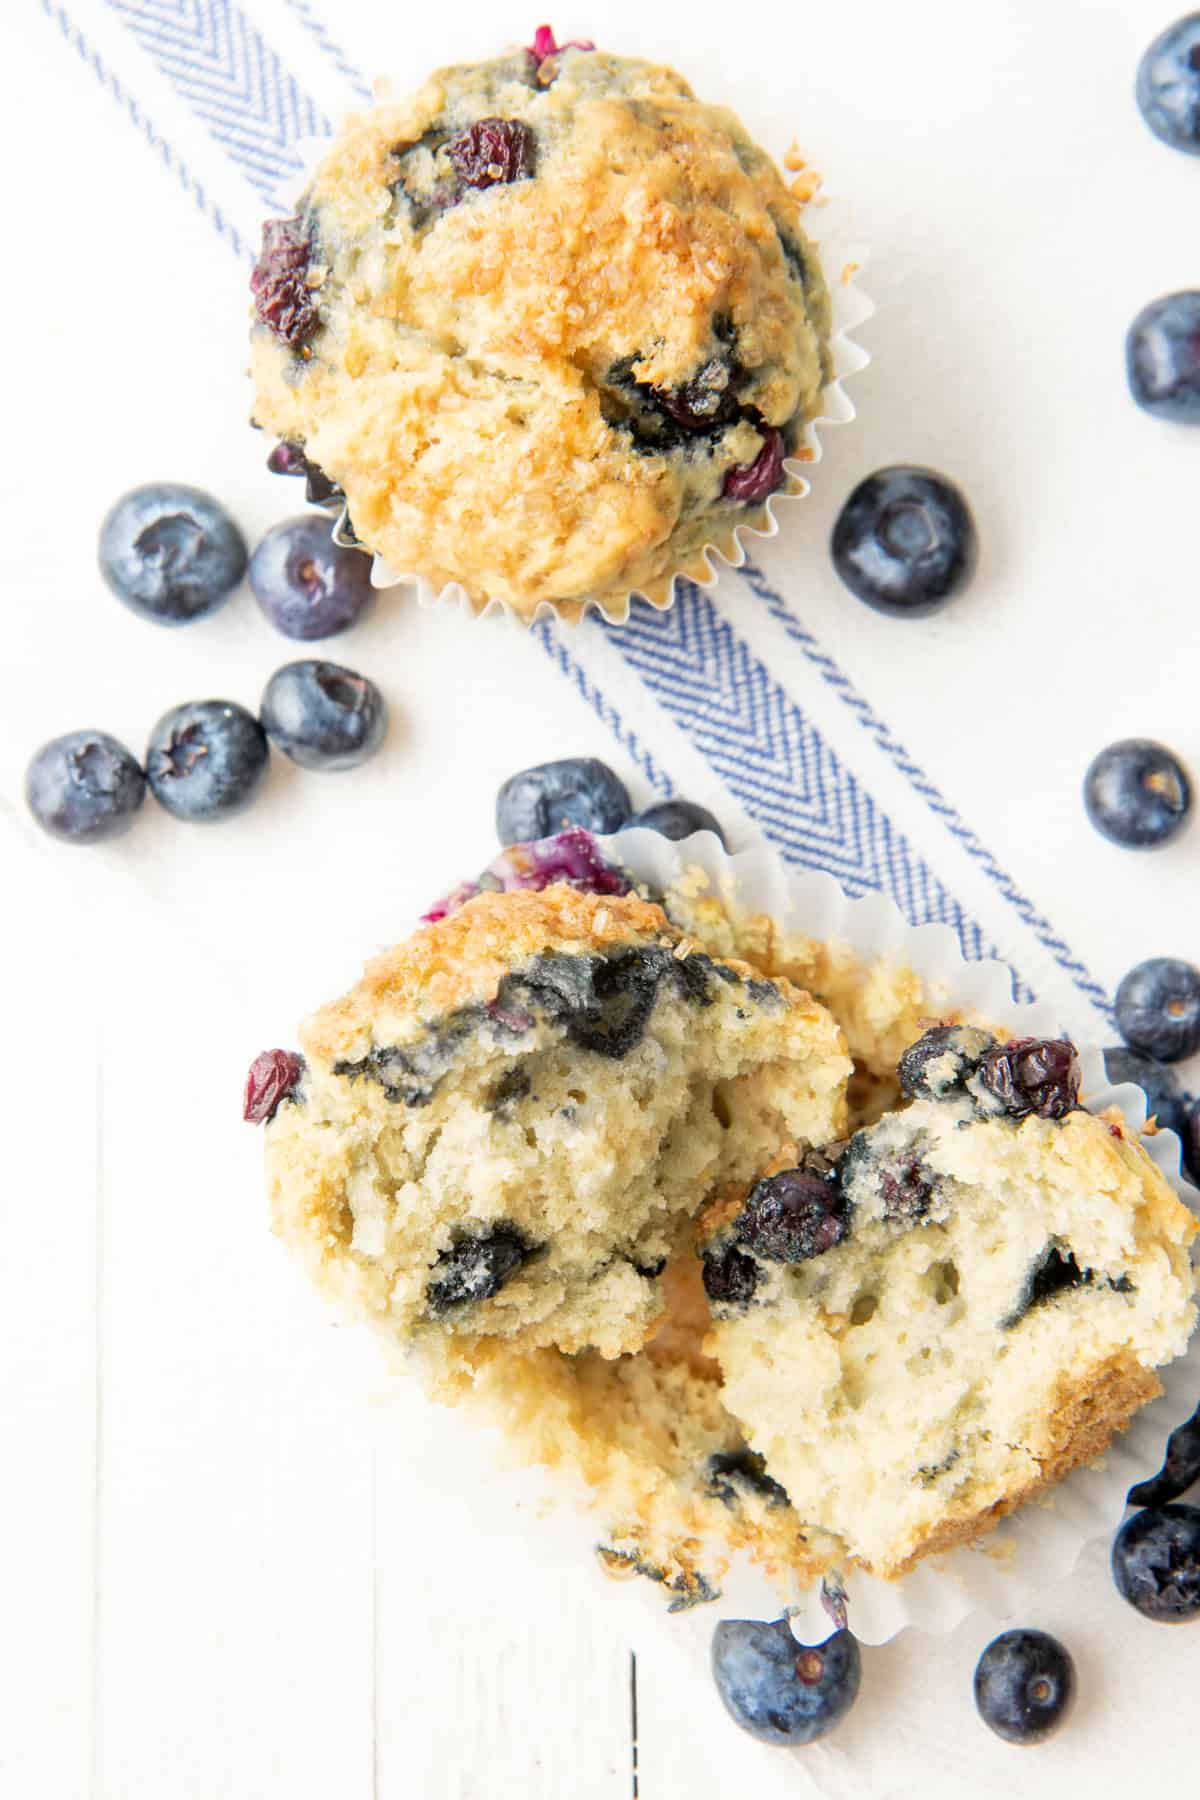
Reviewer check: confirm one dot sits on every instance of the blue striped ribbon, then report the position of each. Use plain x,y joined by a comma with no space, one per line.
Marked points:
758,740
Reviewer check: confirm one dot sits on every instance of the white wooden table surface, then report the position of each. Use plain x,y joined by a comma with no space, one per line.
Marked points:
233,1560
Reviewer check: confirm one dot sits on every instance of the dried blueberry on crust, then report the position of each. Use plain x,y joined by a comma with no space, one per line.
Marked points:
285,299
492,152
750,483
1031,1075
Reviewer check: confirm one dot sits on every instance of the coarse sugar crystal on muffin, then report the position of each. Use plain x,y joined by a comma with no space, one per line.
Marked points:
550,326
501,1133
923,1329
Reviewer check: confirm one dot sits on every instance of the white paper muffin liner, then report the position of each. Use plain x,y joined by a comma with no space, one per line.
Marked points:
840,260
1042,1541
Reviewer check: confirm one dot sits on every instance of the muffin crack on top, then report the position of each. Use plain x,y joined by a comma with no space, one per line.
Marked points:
551,326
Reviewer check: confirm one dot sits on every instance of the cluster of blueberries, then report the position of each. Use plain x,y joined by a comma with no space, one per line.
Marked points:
905,542
173,554
1162,348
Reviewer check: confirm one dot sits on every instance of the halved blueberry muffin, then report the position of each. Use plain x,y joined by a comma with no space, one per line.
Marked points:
502,1133
549,327
926,1326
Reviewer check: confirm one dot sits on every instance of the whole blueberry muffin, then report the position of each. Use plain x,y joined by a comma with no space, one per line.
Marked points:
550,327
924,1328
501,1134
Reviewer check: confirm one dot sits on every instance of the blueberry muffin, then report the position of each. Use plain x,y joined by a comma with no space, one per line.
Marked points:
666,1467
500,1135
548,327
928,1326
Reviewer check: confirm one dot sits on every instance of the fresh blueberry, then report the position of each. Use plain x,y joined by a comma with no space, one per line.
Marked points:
577,790
904,542
323,716
206,759
1162,357
273,1078
1165,1098
1158,1008
308,586
1168,85
678,819
171,553
84,787
792,1216
1024,1685
1137,794
779,1690
1156,1563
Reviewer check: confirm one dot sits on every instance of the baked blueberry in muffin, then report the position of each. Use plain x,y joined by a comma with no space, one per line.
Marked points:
550,326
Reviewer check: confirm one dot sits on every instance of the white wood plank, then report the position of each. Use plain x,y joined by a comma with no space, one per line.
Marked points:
48,1073
498,1676
235,1624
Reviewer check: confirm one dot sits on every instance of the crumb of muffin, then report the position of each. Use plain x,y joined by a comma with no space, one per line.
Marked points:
554,311
990,1311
